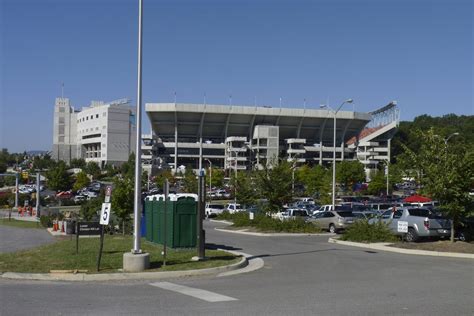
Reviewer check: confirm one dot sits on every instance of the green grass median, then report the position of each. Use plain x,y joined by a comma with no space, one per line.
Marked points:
62,256
20,224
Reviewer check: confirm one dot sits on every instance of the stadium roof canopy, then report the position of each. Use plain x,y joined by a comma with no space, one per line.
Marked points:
221,121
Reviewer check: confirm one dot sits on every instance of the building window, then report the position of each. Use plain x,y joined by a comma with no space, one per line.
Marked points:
97,116
87,118
96,128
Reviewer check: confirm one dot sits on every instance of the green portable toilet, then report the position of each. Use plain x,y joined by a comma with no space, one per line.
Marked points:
181,219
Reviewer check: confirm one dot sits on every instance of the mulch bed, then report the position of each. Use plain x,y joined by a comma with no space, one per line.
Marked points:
442,246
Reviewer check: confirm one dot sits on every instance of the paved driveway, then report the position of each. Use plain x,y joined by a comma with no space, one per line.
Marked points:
13,238
301,276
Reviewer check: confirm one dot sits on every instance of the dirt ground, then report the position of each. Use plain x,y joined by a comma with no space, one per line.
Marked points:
442,246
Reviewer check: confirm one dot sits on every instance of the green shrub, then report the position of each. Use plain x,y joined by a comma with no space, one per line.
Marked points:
362,231
46,221
267,224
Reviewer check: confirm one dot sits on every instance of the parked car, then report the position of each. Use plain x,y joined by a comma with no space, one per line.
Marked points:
293,213
234,208
421,222
323,208
64,195
79,198
333,221
213,210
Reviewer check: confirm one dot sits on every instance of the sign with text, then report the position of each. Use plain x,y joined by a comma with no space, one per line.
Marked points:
105,214
402,227
108,193
88,228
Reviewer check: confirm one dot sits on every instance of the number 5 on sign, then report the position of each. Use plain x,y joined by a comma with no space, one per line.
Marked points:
105,214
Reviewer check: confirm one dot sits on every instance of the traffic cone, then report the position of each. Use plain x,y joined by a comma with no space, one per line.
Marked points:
55,227
62,226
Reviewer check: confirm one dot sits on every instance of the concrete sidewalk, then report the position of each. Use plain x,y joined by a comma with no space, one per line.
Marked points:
386,247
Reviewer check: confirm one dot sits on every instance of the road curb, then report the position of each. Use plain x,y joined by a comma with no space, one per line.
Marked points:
243,232
127,276
385,247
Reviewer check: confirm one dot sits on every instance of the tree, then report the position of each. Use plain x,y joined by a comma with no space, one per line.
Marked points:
447,174
123,200
78,163
274,184
110,170
190,181
43,163
349,173
378,183
217,177
246,189
317,181
162,176
93,169
128,168
81,181
58,178
91,208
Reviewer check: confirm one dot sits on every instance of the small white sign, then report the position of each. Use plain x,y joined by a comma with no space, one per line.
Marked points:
105,214
402,227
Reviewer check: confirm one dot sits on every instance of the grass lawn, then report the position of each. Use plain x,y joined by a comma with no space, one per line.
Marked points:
62,256
20,224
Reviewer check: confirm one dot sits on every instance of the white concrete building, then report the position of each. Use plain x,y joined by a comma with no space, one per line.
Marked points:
64,131
101,132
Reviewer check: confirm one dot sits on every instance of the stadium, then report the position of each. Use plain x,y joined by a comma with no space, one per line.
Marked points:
248,137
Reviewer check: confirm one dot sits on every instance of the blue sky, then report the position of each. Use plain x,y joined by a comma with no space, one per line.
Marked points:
418,52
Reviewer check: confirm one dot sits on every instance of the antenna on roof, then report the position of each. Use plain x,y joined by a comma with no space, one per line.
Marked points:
230,99
255,101
204,98
280,102
62,90
175,97
304,103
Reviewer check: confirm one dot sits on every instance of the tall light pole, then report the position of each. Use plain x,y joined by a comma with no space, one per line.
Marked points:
138,149
210,177
136,261
334,151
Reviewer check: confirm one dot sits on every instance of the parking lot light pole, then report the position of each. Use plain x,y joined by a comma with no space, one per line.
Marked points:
334,151
449,137
136,260
210,177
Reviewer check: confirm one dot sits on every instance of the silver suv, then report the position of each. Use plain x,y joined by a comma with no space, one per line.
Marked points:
333,221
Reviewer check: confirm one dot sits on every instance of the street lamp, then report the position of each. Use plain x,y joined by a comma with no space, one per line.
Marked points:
449,137
334,151
210,177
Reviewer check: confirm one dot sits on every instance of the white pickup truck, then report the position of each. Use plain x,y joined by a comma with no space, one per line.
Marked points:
421,222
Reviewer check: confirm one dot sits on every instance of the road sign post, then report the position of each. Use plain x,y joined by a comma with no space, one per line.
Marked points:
104,220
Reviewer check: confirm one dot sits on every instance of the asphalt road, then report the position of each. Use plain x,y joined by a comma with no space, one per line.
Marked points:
301,276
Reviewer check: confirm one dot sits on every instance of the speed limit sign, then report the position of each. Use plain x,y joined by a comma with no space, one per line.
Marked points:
105,214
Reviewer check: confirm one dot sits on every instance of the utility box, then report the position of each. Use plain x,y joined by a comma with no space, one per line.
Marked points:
181,219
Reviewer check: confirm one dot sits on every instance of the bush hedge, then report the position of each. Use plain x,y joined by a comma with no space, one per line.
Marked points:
265,223
362,231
